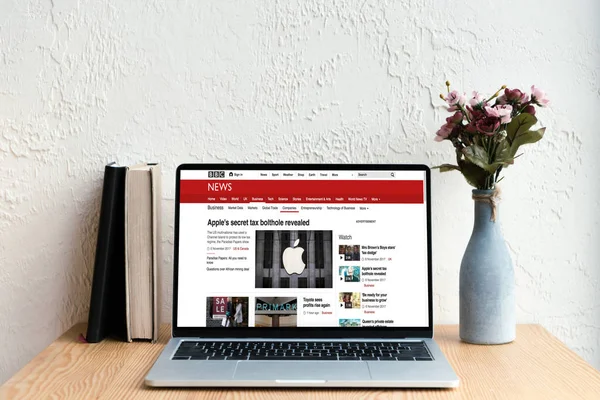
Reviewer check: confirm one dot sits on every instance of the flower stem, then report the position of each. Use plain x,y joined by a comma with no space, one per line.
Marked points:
498,174
464,111
522,108
495,94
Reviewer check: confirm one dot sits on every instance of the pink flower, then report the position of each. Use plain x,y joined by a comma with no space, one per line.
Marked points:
504,112
455,119
474,113
476,99
451,123
444,132
500,111
455,99
538,97
513,96
472,127
529,110
488,125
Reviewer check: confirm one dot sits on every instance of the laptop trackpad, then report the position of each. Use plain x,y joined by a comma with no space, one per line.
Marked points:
302,370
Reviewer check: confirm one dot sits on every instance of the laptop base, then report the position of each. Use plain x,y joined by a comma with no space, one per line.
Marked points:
167,372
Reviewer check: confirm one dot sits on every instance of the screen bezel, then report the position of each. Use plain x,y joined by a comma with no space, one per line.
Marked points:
305,332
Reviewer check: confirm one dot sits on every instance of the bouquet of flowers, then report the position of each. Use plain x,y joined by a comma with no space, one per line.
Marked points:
487,132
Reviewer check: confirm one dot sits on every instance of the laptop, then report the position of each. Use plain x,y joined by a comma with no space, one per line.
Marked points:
302,275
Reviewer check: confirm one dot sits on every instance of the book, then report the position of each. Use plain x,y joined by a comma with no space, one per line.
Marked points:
107,304
142,220
124,298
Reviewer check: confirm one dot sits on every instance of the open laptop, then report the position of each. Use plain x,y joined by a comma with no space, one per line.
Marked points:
302,275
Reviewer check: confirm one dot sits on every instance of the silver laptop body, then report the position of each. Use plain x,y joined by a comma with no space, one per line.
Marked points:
302,275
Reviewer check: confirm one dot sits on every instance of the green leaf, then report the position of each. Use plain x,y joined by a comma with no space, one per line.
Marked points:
504,156
478,156
447,167
503,152
519,125
474,175
526,138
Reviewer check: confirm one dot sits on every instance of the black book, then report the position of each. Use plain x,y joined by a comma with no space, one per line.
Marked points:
108,307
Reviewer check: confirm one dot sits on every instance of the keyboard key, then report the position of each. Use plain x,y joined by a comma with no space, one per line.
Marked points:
180,358
423,359
368,358
348,358
199,352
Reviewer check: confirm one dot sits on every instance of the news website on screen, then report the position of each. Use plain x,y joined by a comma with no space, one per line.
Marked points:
302,249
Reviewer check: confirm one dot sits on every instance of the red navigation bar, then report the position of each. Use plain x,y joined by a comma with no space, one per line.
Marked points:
302,191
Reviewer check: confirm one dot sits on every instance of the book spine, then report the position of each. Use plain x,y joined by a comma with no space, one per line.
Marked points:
109,255
156,243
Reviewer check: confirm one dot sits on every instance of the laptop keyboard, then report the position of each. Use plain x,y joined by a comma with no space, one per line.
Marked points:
324,351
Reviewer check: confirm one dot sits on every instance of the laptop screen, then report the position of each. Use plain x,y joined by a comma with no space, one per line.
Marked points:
294,248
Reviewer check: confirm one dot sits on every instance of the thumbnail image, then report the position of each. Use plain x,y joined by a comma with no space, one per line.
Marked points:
350,322
294,259
350,299
349,252
275,312
350,273
227,312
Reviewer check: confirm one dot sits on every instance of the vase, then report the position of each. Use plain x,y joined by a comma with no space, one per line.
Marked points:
487,281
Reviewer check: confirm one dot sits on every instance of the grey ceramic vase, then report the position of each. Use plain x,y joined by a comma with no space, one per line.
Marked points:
487,280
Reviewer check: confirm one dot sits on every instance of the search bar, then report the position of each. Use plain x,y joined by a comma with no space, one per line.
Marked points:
376,174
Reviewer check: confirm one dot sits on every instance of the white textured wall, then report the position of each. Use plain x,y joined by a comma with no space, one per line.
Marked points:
86,82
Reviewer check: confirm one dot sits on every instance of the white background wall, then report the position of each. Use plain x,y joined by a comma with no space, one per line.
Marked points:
86,82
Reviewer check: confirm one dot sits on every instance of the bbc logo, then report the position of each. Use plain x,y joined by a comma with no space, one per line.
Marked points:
216,174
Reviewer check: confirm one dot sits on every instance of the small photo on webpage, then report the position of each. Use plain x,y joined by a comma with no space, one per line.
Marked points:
294,260
349,273
350,300
350,252
275,312
227,312
350,322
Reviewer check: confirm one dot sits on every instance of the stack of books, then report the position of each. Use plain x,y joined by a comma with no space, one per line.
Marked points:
124,299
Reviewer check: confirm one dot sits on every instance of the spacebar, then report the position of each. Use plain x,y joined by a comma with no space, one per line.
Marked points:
277,358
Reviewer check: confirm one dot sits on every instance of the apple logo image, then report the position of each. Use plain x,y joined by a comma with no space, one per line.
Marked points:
292,259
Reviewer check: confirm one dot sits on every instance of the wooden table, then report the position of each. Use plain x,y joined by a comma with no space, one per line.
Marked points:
536,365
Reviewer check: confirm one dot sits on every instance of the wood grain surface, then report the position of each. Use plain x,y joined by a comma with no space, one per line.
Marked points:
536,365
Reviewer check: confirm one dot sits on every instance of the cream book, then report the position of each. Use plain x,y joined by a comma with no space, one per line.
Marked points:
142,250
